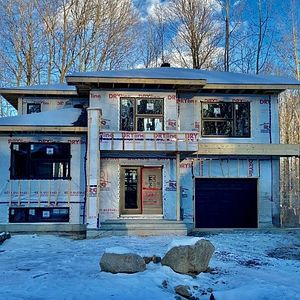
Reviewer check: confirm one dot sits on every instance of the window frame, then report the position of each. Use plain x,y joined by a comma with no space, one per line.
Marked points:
39,214
30,166
34,104
137,115
232,120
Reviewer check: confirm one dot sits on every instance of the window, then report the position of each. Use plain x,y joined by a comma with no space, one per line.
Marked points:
38,214
33,108
40,161
141,114
226,119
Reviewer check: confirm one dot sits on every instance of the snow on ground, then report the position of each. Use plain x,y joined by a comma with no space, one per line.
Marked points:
51,267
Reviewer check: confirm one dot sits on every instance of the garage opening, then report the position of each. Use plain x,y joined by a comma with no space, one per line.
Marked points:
225,203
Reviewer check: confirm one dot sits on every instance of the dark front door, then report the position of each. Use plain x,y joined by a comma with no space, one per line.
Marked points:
225,203
130,190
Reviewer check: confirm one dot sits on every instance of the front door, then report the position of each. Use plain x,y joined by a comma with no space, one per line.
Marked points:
141,190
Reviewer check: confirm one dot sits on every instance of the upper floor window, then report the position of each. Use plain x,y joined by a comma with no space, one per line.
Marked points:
40,161
139,114
226,119
33,108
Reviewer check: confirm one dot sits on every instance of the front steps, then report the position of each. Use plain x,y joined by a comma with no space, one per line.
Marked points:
140,227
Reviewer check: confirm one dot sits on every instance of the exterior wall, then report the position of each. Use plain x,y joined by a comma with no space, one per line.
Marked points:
44,193
110,185
265,170
48,104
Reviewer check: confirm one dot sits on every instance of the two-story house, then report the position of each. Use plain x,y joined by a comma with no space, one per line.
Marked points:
146,151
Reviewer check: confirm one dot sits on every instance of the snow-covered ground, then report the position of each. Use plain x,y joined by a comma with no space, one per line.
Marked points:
245,265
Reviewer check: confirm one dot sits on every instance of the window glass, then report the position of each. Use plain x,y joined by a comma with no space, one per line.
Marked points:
149,124
127,114
38,214
40,161
150,106
217,110
141,114
19,161
242,119
226,119
33,108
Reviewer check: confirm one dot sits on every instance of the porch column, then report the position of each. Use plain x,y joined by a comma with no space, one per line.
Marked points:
177,186
93,168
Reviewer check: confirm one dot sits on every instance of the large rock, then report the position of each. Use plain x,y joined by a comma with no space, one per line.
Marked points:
184,291
191,259
122,263
4,236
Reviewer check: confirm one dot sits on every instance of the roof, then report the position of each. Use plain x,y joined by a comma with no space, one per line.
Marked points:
206,79
59,89
59,118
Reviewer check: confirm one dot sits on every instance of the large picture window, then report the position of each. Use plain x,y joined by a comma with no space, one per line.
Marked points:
40,161
141,114
226,119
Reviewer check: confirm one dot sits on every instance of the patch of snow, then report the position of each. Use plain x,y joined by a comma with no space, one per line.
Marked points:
51,267
117,250
183,242
60,117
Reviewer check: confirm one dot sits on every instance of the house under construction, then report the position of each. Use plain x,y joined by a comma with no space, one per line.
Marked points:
145,151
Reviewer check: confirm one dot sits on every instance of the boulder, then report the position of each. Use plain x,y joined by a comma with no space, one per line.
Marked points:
4,236
155,259
183,290
122,263
190,259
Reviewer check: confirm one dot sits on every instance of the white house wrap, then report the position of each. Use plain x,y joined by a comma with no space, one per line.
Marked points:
195,146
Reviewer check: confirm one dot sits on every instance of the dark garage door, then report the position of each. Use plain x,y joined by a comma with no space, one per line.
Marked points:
225,203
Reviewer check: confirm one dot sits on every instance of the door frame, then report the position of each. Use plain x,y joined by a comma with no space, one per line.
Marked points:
130,211
139,168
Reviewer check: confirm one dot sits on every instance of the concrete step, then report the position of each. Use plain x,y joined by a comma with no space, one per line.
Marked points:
139,227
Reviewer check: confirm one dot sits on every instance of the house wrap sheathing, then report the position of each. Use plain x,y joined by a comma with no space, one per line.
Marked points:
198,147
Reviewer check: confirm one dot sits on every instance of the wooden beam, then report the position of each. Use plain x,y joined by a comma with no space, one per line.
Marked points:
42,129
248,149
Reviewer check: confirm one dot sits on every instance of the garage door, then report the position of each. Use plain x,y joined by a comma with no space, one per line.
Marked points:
225,203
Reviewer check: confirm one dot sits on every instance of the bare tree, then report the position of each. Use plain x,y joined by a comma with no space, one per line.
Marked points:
196,32
153,29
21,41
84,35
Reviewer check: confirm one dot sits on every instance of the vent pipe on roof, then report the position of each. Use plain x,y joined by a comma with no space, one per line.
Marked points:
165,65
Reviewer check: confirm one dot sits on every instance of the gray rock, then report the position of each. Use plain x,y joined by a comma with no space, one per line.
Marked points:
165,284
147,259
183,290
156,259
189,259
4,236
122,263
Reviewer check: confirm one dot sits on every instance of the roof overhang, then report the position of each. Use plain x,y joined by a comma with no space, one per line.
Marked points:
130,80
12,94
264,87
57,129
85,83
